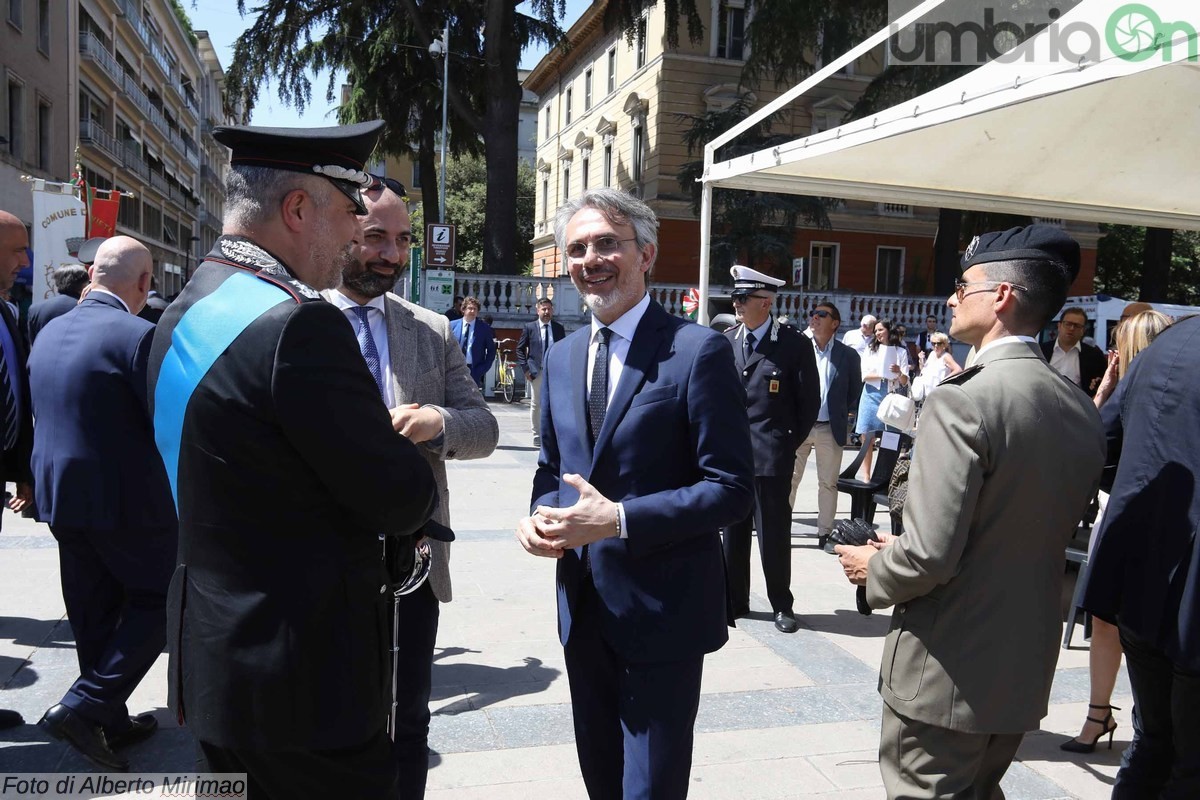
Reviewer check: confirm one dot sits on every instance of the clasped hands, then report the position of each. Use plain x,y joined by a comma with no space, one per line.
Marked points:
415,423
854,559
549,532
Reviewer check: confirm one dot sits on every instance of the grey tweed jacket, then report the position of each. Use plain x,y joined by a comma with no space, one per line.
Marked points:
428,369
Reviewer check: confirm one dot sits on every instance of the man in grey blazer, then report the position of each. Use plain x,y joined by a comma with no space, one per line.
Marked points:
435,403
976,578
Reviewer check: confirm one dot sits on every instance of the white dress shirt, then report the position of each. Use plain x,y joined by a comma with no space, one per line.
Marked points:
1003,340
102,290
378,322
823,361
1066,361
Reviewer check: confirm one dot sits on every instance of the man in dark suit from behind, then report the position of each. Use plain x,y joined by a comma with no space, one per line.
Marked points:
779,373
1081,363
68,281
155,303
101,485
645,455
16,423
841,384
535,341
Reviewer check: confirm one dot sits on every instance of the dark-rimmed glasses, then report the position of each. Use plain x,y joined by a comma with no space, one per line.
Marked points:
822,313
380,181
960,286
602,246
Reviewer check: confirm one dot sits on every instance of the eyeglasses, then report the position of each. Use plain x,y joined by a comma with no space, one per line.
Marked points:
960,286
379,182
742,298
822,313
602,246
1071,326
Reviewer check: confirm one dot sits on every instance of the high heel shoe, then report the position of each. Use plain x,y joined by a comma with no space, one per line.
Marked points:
1076,746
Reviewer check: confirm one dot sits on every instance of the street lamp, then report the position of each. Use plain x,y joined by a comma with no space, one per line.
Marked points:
441,49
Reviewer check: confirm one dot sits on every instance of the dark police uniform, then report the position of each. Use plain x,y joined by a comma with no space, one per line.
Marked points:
783,396
285,469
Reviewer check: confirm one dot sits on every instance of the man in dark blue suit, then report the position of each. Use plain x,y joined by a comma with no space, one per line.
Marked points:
475,338
645,455
535,341
100,483
841,384
1144,571
69,281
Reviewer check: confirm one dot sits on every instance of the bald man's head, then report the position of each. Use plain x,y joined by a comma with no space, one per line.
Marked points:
123,266
14,249
1133,309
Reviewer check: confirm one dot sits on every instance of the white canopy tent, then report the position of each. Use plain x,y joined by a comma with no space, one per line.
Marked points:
1105,139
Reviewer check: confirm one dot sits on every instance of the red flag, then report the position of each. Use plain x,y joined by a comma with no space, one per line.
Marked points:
102,219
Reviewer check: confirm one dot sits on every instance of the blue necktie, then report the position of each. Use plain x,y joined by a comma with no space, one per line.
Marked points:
366,343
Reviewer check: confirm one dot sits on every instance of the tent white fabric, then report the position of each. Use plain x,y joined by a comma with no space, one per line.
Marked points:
1107,139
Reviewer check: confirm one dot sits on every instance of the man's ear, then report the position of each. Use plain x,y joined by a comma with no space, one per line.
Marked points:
295,209
144,282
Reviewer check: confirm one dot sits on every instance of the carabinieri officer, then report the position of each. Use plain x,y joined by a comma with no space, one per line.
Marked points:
284,469
783,396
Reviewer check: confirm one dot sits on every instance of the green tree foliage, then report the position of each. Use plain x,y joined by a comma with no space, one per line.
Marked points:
1121,265
752,228
466,199
382,46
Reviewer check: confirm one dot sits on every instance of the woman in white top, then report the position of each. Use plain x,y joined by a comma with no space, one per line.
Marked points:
939,365
883,362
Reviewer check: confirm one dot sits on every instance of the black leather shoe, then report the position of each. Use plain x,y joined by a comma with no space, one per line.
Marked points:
63,723
10,719
140,727
785,622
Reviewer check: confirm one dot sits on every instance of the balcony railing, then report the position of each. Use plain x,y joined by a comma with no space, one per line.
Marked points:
160,183
894,210
93,133
93,48
136,164
159,121
210,220
510,301
132,14
209,174
135,94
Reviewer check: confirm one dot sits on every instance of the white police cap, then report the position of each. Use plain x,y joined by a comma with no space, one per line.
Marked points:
746,280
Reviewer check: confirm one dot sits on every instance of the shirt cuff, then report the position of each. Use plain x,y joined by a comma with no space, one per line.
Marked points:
621,516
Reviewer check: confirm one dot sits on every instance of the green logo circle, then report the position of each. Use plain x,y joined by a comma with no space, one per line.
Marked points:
1132,32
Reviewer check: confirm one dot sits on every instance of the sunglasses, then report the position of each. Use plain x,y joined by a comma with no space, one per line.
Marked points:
380,182
960,286
822,313
601,246
742,298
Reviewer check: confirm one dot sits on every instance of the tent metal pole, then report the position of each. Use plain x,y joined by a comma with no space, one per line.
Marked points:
705,238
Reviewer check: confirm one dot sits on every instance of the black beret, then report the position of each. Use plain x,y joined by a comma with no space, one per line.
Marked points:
1033,242
339,153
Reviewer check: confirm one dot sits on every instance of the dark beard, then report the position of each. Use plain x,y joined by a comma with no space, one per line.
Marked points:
367,283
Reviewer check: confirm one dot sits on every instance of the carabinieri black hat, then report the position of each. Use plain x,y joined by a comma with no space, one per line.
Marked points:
339,153
1034,242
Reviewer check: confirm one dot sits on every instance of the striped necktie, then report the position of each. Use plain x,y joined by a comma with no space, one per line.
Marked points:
366,343
9,427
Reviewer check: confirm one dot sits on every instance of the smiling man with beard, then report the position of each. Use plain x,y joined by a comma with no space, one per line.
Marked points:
285,471
645,455
433,401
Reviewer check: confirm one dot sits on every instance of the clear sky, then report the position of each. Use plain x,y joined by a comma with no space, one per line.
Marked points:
223,23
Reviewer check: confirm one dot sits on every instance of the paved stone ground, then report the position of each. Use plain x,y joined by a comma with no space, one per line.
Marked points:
781,716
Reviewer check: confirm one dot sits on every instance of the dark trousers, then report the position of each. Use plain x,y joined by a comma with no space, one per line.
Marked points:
1163,760
772,518
365,772
633,721
919,761
418,615
114,585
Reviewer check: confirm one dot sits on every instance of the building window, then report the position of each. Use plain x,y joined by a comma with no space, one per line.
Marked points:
640,43
44,26
16,120
889,270
567,107
16,17
566,182
584,165
822,267
731,32
416,175
547,136
45,136
587,90
546,198
639,148
128,213
608,165
612,70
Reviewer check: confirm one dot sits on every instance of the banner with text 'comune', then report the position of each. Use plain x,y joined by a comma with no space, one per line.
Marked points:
59,223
